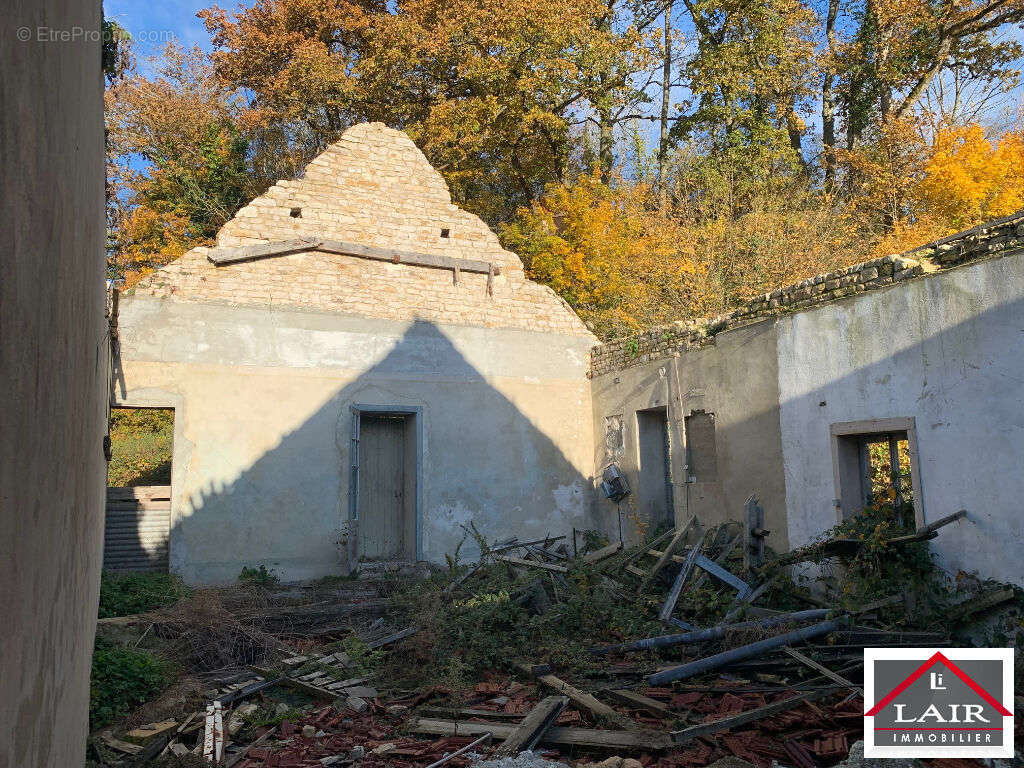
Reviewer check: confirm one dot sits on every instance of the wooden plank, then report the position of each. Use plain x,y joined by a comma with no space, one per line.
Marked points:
664,557
603,553
722,557
138,492
639,701
394,255
160,505
120,746
577,737
677,586
745,599
213,735
822,669
643,550
583,699
753,544
981,603
278,248
741,587
462,750
399,256
532,564
727,723
929,531
529,731
392,638
237,757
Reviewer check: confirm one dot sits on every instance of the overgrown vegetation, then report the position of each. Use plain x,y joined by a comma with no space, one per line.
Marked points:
878,569
504,617
122,679
261,577
141,444
125,594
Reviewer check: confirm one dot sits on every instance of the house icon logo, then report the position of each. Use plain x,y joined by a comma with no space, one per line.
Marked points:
927,702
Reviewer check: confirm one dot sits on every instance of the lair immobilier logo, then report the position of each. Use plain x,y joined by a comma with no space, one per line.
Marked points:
924,702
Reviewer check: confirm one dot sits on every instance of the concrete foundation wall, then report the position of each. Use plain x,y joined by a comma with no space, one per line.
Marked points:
946,350
263,403
53,363
735,378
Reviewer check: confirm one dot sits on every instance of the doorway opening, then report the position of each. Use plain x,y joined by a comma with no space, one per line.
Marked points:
655,464
137,523
385,481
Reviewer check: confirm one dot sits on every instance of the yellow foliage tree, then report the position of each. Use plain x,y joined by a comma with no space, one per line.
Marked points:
969,179
609,252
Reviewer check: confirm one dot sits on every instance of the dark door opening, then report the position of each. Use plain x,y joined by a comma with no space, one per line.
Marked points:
387,486
655,487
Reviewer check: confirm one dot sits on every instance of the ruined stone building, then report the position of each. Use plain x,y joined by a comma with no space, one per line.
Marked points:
359,371
383,353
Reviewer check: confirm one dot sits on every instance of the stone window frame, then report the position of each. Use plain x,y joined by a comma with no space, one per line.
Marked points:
846,462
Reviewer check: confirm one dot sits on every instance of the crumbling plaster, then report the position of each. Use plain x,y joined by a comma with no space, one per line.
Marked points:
946,350
735,379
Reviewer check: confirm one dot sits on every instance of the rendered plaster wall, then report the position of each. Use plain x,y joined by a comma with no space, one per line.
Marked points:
734,377
263,403
53,362
946,350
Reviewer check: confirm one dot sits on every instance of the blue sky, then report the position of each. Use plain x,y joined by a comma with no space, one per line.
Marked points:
151,21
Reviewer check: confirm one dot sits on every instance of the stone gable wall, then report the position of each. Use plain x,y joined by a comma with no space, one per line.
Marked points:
994,239
373,187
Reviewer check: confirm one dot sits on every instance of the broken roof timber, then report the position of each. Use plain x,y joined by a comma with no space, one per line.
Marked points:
220,256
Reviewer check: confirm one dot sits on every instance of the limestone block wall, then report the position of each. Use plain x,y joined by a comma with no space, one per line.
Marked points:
373,187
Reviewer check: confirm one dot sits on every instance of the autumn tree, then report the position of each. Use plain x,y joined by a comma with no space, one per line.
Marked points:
880,63
488,89
178,160
609,252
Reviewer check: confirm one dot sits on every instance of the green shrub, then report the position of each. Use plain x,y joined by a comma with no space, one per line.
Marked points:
259,577
121,680
124,594
141,441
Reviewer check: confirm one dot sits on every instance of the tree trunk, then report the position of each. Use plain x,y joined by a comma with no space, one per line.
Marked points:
828,104
666,87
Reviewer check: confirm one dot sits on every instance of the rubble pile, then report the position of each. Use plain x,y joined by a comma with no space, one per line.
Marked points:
747,668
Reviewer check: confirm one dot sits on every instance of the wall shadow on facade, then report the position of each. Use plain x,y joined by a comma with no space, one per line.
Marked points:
947,351
483,460
961,380
736,380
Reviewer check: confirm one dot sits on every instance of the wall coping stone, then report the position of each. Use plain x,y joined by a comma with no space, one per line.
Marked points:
989,240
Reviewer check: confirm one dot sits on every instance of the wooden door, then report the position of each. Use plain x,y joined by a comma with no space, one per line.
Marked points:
382,486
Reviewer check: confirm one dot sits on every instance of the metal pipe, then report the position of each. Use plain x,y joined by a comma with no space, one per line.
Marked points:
743,652
713,633
456,753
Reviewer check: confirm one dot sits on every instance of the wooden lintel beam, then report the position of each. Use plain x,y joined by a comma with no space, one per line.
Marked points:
221,256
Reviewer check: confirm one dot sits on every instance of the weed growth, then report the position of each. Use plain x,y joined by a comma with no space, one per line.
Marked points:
122,679
125,594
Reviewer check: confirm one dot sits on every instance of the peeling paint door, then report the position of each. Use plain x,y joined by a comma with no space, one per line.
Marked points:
382,486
